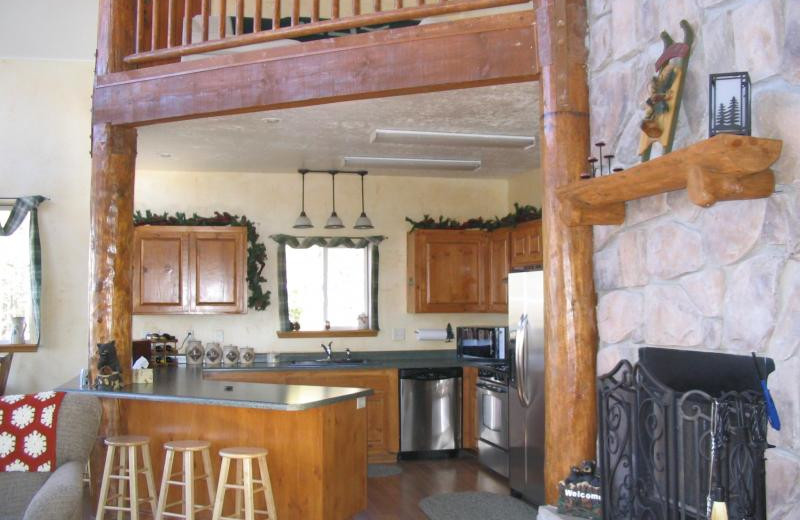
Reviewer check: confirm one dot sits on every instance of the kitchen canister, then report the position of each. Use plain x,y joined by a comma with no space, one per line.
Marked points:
246,356
230,355
213,354
194,352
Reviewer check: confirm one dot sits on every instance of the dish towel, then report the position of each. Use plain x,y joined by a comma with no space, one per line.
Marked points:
28,431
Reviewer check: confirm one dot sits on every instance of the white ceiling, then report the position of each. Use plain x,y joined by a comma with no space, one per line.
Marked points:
318,137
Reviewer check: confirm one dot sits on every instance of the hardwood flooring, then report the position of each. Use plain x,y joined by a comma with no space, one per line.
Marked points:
397,497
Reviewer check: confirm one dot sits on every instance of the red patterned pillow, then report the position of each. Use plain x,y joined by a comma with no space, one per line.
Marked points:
28,431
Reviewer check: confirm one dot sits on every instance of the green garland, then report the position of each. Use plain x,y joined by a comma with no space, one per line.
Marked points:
519,215
258,299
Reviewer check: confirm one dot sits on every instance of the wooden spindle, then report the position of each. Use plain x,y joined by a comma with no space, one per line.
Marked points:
223,15
315,11
356,7
137,45
239,17
187,22
420,2
335,10
154,29
295,12
276,15
205,11
170,23
257,17
398,4
376,6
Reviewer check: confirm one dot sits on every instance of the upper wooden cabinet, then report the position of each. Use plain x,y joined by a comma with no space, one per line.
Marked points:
447,271
467,271
499,266
189,270
526,244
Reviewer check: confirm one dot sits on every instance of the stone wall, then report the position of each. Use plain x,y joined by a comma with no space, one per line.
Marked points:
725,278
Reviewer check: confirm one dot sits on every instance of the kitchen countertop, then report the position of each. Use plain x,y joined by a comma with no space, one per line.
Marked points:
374,361
187,385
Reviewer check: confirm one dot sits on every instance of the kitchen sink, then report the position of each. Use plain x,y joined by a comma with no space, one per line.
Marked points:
328,363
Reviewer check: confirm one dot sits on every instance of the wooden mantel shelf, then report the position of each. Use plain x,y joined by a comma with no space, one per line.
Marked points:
724,167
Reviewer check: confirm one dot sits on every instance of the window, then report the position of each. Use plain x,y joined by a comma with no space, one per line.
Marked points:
15,277
328,284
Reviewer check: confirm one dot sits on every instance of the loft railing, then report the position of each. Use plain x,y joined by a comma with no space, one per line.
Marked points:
167,30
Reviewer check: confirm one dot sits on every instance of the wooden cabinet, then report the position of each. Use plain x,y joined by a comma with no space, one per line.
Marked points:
499,267
447,271
526,244
467,271
469,409
383,406
189,270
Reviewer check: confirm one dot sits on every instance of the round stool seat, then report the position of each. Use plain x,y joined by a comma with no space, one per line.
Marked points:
187,445
242,452
127,440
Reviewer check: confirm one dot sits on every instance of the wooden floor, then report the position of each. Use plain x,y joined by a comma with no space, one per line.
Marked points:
390,498
396,498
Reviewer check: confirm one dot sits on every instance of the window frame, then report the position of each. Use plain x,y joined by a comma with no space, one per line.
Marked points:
27,345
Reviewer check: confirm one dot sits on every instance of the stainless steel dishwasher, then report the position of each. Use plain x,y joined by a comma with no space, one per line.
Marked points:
430,411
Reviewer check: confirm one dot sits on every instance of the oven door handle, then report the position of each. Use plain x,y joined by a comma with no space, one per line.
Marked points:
491,388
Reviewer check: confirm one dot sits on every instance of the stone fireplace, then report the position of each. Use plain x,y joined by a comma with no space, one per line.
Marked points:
723,279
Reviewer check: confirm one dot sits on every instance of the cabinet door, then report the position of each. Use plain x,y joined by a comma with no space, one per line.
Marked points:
526,244
160,271
449,271
217,264
499,266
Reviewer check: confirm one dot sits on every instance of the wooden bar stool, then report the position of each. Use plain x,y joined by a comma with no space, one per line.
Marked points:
187,481
244,485
126,475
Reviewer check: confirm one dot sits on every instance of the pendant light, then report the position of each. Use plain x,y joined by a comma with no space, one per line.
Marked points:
363,221
334,222
303,222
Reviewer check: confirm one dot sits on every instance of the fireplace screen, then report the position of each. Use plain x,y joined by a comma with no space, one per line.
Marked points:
656,434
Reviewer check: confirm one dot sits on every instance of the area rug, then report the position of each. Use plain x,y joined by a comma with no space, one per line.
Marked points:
383,470
474,505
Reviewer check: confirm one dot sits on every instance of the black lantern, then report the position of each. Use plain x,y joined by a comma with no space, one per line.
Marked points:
729,103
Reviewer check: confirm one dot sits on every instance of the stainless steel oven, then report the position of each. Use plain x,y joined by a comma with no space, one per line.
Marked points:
492,388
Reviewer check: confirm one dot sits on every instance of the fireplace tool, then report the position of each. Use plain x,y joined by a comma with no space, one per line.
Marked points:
717,509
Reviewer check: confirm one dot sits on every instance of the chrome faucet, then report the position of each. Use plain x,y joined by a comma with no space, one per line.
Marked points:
347,354
328,350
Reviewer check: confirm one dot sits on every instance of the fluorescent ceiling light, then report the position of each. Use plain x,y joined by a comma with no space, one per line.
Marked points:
414,164
451,139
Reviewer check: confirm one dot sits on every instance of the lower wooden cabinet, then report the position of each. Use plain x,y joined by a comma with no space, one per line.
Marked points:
383,406
469,409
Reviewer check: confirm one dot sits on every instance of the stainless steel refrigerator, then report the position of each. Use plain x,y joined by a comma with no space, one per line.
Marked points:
526,393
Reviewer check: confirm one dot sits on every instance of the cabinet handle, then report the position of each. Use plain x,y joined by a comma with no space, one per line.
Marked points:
411,282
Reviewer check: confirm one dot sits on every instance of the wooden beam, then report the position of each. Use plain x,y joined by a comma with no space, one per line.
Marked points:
467,53
570,324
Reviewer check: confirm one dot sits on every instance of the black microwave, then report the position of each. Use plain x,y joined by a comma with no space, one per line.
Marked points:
482,342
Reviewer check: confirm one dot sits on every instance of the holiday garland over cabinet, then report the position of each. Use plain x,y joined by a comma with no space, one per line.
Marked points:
520,214
258,299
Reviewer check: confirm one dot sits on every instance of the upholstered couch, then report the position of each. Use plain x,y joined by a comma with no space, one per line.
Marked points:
57,495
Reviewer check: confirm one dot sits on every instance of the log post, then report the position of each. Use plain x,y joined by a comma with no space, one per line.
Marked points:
111,206
570,324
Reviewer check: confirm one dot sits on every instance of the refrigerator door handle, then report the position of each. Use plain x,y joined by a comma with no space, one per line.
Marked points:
520,354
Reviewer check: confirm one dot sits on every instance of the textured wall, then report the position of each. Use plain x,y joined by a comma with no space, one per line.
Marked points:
724,278
44,145
272,201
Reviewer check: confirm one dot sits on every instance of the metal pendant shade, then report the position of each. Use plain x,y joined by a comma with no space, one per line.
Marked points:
334,222
303,222
363,221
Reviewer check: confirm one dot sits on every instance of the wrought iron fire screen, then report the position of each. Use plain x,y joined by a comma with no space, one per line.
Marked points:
655,435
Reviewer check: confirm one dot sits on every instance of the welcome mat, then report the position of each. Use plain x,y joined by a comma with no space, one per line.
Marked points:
383,470
475,505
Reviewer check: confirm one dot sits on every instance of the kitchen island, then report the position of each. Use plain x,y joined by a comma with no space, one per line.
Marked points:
316,435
